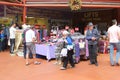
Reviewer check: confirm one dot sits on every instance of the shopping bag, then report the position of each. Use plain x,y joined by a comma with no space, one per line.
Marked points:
8,42
69,47
64,52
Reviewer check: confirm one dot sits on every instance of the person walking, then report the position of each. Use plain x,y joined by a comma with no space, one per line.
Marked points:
114,36
92,36
68,43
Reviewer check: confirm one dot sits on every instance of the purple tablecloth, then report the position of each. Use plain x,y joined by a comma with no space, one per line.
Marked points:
46,50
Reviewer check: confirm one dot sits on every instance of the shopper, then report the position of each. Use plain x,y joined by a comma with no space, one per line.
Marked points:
114,36
92,36
27,27
68,43
12,31
30,45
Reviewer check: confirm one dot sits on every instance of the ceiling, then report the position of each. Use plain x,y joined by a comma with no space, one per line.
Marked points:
67,9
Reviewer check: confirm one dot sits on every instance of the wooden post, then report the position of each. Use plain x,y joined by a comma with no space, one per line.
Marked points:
24,11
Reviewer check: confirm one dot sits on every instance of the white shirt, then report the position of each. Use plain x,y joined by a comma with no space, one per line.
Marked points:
12,32
24,26
113,33
30,34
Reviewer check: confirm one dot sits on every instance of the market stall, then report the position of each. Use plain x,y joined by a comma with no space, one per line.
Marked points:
46,50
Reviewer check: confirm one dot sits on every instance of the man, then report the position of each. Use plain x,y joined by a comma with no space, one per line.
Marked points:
92,36
26,28
30,45
114,35
12,31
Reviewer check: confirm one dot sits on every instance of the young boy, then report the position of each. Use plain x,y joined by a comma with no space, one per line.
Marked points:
2,37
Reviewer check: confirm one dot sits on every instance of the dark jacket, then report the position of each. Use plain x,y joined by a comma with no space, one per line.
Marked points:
90,34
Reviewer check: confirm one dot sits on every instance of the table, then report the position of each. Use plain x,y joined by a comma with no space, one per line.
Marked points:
46,50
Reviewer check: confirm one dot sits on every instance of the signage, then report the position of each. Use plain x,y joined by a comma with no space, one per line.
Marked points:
91,16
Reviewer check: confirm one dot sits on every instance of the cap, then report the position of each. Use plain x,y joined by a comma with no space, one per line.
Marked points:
65,32
90,24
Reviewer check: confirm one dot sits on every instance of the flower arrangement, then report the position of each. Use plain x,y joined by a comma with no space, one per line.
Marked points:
75,4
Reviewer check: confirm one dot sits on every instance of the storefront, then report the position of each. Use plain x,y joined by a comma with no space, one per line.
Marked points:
58,12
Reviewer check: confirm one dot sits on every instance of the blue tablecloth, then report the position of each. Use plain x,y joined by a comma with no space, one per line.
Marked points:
46,50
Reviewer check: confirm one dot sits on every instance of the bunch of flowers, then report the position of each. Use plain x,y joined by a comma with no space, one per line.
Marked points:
75,4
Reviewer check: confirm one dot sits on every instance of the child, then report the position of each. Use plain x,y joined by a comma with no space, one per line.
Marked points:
82,48
2,37
106,48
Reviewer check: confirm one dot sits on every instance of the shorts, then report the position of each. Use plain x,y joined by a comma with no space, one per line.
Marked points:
30,47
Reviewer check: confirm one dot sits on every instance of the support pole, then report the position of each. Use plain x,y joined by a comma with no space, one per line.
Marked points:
24,14
24,11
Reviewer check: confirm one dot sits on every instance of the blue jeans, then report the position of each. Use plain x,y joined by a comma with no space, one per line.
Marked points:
112,46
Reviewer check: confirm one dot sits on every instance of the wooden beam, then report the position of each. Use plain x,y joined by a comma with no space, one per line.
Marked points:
84,4
11,4
101,6
46,5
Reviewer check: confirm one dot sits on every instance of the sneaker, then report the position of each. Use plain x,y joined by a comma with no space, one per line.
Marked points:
56,63
91,63
60,63
96,64
27,64
117,64
12,54
112,65
72,66
37,63
63,68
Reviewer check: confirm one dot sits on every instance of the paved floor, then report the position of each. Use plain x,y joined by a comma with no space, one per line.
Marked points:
13,68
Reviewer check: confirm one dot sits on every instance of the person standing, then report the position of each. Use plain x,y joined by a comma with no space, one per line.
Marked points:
2,35
30,45
114,36
12,31
27,27
92,36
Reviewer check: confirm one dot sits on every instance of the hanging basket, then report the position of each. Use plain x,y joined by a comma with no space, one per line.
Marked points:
75,4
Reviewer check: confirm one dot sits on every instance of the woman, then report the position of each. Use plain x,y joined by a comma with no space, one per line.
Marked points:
69,45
